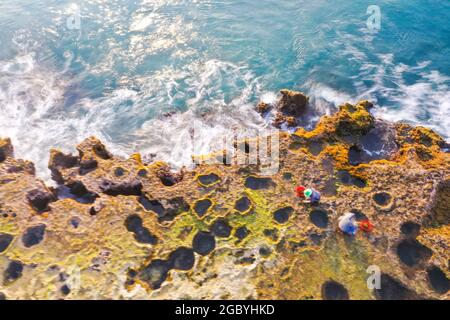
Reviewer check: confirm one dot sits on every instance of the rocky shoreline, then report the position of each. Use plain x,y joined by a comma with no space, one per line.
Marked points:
122,229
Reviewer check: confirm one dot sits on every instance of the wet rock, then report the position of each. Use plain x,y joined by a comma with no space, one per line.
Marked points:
221,228
263,107
319,218
332,290
5,241
438,280
202,206
278,120
203,243
182,259
129,188
33,235
134,224
379,143
392,289
12,272
6,149
412,253
292,103
256,183
291,122
40,199
155,273
282,215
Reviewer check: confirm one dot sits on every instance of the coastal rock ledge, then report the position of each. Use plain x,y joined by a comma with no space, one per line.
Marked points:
118,228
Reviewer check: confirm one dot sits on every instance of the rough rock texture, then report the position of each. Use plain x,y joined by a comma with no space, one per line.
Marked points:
290,106
120,228
292,103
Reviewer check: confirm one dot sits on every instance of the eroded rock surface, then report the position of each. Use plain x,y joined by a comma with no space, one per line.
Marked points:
120,228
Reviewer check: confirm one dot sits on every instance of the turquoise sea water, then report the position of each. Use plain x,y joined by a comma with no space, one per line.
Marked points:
71,69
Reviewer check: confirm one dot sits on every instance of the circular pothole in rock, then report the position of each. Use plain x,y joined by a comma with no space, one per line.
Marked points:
382,198
241,232
332,290
221,228
412,253
75,222
134,224
392,289
256,183
5,241
12,272
243,204
33,235
208,179
319,218
152,205
202,206
168,180
347,179
182,259
119,172
282,215
155,273
287,176
359,216
315,147
65,290
265,251
203,243
142,173
410,229
438,280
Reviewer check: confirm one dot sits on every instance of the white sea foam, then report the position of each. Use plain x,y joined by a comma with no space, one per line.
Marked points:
216,93
423,101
